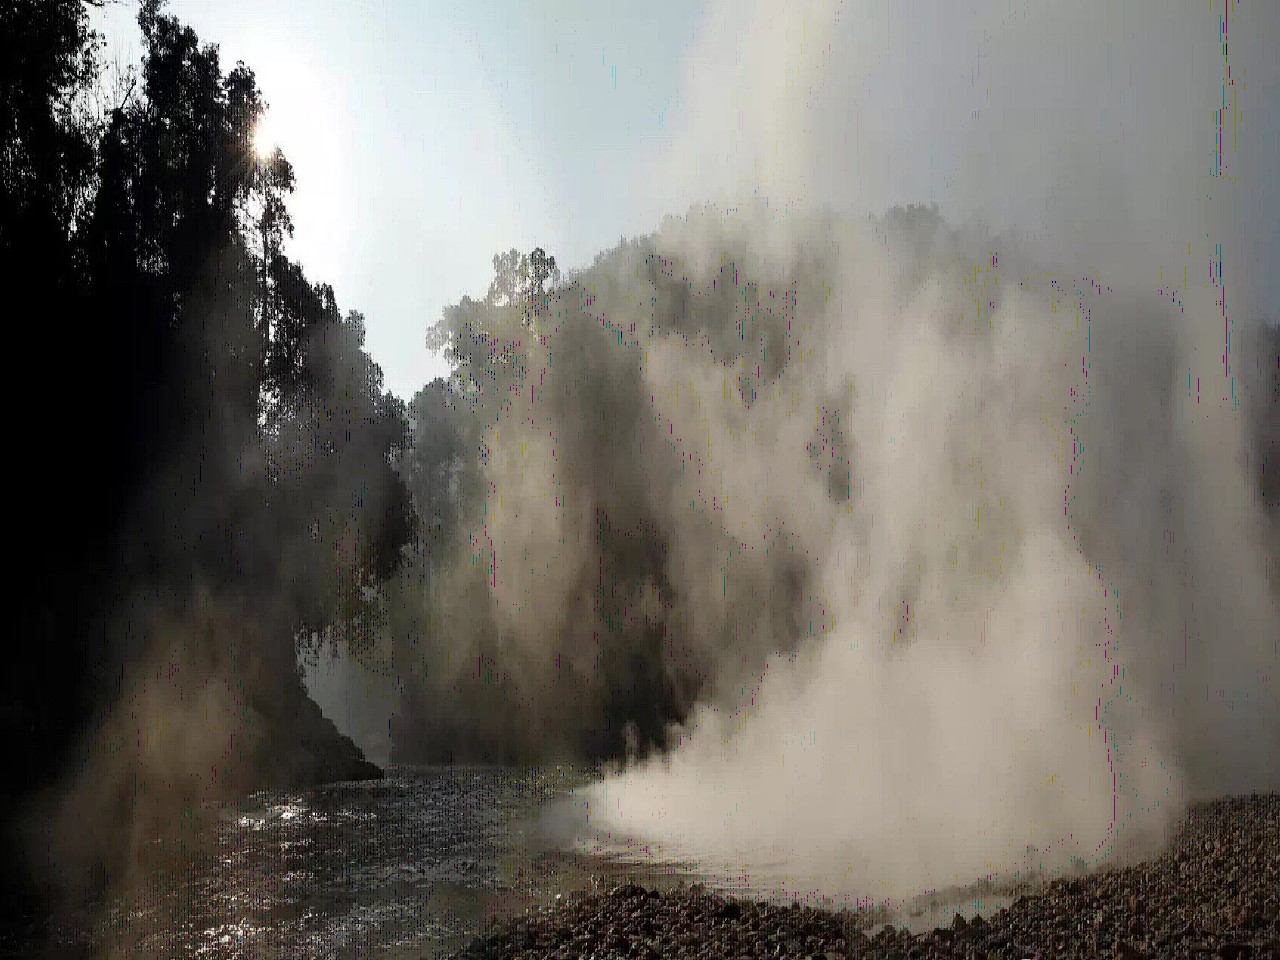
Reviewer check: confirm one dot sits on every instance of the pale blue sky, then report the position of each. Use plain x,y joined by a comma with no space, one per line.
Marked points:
427,136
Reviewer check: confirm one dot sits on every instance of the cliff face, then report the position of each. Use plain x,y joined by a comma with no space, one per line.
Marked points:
312,750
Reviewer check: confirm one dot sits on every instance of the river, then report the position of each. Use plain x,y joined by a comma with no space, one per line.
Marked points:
412,866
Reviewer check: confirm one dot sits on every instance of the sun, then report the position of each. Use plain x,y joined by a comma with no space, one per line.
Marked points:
264,139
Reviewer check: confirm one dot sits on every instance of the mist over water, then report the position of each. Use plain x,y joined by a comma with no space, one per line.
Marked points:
1048,604
947,524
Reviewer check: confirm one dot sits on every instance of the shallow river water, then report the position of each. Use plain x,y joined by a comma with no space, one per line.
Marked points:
412,866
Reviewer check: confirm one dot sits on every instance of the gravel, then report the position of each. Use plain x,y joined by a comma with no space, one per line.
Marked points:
1213,894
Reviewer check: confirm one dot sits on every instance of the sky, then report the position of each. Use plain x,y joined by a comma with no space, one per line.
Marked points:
428,136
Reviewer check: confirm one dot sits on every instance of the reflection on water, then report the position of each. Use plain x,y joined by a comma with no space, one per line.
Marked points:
411,866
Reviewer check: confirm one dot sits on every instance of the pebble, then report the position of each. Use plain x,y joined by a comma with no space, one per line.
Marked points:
1213,894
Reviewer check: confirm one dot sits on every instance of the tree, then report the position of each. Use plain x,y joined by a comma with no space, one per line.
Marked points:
217,457
47,56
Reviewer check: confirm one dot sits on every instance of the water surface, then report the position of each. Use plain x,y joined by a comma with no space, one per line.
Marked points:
412,866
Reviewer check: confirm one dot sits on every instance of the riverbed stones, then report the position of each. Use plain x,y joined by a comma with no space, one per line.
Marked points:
1213,894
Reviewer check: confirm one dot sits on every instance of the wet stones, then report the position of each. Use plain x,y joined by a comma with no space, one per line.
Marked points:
1128,951
1214,894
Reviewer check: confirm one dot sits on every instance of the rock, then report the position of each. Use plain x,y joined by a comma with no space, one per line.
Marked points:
730,910
1128,951
362,769
1148,910
476,949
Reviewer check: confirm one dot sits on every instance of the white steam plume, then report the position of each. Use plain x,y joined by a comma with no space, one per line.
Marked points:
1052,604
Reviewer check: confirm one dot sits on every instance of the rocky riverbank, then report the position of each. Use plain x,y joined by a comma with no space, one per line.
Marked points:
1213,893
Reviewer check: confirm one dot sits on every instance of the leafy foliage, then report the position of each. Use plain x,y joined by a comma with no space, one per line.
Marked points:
222,435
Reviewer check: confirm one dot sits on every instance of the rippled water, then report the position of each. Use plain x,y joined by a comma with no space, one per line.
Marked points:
410,866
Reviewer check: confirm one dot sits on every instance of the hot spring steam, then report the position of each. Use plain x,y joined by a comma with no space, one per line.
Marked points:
1045,616
958,531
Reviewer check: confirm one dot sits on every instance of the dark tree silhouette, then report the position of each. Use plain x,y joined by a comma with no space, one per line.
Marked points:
209,468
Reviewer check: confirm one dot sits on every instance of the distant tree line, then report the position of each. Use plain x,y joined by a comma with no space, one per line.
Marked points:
549,607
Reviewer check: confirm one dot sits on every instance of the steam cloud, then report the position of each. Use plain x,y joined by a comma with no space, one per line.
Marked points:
1050,602
950,538
1053,594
